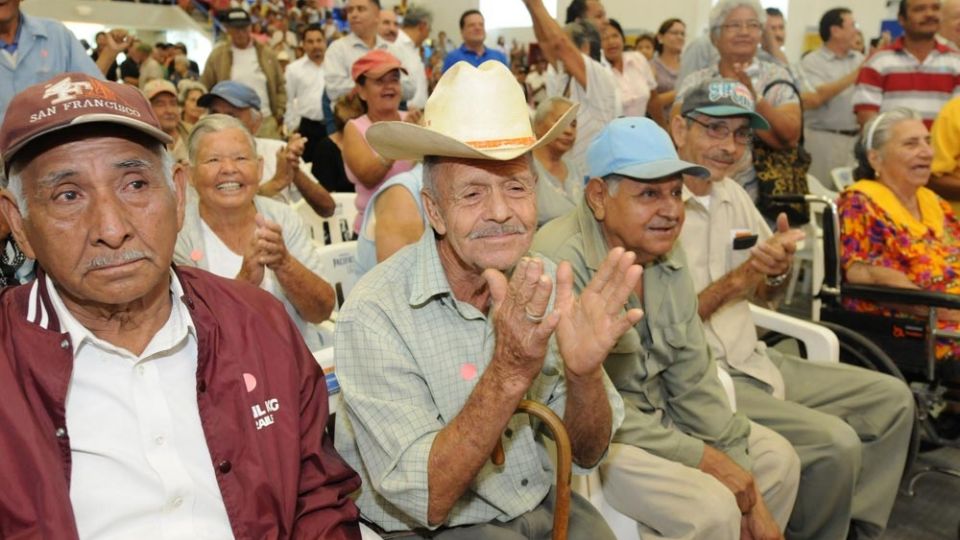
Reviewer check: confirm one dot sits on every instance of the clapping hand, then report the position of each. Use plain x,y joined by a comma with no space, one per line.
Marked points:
591,323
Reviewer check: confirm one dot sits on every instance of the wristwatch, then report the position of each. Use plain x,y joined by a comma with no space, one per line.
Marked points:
776,281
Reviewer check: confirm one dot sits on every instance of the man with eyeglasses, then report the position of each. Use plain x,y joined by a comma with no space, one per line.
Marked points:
850,426
735,28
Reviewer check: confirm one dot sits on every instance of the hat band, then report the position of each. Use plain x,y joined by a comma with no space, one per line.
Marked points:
499,143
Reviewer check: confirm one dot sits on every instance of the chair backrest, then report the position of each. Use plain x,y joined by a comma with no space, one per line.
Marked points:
335,229
340,268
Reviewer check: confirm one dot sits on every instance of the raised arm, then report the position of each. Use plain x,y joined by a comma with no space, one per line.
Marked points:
555,43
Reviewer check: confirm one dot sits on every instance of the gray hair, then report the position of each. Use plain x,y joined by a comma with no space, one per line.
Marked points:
415,15
581,32
547,106
14,176
185,86
721,11
876,133
613,183
215,123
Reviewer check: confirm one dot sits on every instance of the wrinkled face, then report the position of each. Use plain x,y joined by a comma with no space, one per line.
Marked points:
612,43
167,110
702,145
675,37
239,37
388,25
473,32
643,217
564,142
484,210
776,28
905,159
102,220
246,115
314,45
190,108
363,17
923,18
645,47
740,34
226,172
383,93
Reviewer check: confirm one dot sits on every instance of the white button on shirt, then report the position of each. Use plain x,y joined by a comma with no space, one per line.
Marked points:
140,463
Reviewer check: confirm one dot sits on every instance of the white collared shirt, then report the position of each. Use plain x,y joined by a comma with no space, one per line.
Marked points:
304,92
338,63
419,72
141,467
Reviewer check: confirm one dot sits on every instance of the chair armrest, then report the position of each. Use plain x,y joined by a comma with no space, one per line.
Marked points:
896,295
727,382
822,345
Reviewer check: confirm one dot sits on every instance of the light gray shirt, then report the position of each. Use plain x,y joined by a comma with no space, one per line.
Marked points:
338,63
823,66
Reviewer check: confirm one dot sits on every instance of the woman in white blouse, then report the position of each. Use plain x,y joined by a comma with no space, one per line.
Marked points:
634,75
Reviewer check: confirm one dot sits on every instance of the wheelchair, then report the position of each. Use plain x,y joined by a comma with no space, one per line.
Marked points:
900,346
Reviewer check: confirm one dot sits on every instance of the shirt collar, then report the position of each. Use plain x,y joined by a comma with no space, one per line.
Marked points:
900,45
355,41
428,278
718,191
177,326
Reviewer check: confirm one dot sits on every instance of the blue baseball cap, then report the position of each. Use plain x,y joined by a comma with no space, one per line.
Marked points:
234,93
639,149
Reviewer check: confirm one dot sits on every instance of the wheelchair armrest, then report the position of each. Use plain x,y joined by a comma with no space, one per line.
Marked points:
821,344
896,295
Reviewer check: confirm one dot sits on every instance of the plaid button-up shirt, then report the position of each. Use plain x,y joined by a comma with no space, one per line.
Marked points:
408,356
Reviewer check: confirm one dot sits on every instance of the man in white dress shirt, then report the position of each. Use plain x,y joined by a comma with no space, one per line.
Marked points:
413,32
305,91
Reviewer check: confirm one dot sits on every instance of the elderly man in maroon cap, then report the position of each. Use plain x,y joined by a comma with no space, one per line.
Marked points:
141,399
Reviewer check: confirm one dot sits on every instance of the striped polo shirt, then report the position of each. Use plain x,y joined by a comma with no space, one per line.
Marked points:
895,78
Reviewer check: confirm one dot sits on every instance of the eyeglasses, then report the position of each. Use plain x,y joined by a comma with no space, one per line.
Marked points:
720,130
681,33
750,26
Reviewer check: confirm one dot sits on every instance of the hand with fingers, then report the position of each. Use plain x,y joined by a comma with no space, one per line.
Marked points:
591,323
283,176
774,256
520,320
271,249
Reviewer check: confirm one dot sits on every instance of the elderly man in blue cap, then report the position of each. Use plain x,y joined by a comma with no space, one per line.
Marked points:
285,176
850,426
683,463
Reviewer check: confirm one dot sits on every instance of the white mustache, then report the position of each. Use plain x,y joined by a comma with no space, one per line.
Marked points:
120,258
497,230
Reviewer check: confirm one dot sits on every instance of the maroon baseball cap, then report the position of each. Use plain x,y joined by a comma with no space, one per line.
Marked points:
375,64
71,99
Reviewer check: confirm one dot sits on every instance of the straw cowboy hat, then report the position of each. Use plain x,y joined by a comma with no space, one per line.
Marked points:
473,113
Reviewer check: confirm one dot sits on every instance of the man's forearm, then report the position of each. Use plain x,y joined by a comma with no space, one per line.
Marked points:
587,417
946,185
312,297
460,449
316,195
734,285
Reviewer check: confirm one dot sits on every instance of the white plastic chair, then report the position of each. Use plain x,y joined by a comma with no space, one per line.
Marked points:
842,177
340,271
810,253
821,345
335,229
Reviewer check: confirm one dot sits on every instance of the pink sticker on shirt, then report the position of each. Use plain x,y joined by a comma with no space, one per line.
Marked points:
468,371
196,255
250,381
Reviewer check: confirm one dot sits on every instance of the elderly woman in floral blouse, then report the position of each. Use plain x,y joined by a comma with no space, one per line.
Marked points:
894,230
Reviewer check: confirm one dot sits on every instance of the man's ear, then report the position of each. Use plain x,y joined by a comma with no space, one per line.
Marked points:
181,174
678,130
596,194
11,213
433,212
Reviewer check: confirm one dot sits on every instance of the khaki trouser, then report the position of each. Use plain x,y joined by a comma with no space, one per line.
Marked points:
827,152
672,501
586,523
851,428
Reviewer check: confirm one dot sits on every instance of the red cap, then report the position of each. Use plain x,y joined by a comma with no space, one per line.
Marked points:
72,99
375,64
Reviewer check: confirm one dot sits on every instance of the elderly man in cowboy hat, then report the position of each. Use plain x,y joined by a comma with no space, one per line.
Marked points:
128,384
683,464
437,345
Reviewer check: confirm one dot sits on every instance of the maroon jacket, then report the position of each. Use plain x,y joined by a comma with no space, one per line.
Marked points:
284,480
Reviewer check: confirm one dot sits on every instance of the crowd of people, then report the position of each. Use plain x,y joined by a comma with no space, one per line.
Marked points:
582,222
